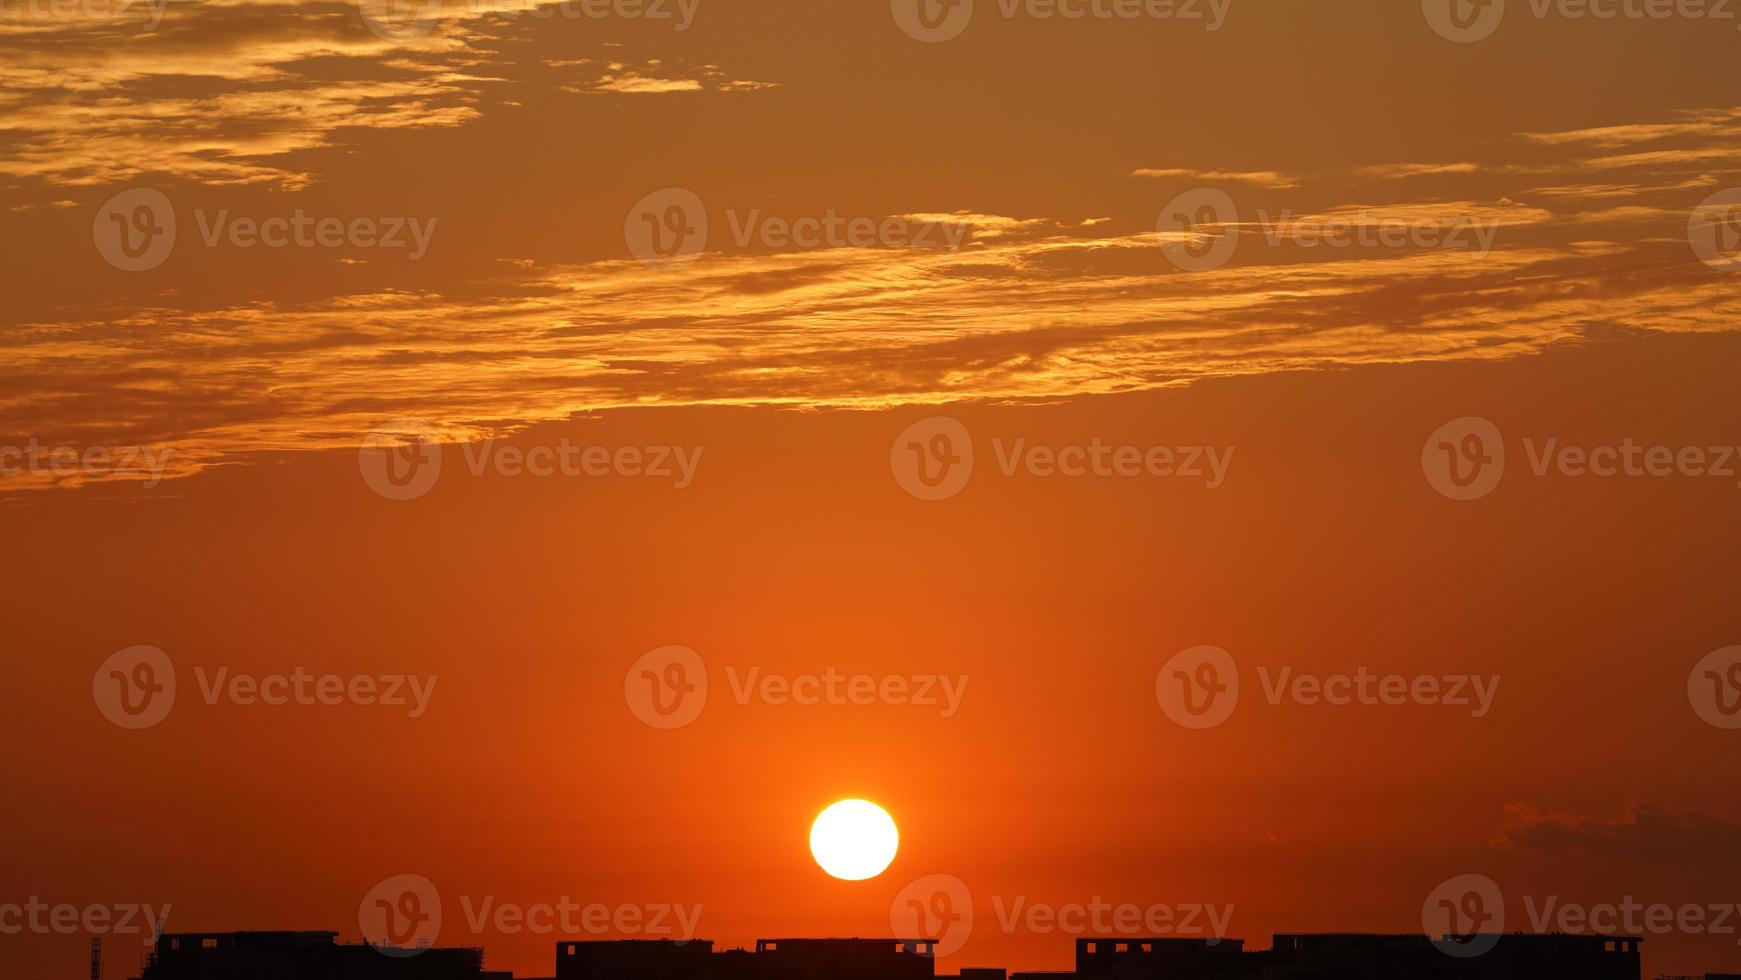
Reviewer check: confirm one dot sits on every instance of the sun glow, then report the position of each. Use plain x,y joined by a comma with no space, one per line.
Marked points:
854,840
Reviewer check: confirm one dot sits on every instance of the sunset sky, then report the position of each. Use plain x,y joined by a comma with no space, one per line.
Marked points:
1543,240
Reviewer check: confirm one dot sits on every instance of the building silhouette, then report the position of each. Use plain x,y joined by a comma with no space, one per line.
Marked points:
1290,957
303,956
1321,956
773,959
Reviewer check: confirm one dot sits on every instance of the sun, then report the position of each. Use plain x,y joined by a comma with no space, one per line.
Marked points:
854,840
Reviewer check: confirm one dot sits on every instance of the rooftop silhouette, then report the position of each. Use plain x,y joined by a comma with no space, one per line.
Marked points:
1301,956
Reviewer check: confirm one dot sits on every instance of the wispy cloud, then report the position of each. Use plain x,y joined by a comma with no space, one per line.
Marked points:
1724,123
1037,313
1266,178
655,77
1399,171
1029,307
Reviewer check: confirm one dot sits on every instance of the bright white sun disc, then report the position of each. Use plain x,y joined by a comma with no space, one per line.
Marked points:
854,840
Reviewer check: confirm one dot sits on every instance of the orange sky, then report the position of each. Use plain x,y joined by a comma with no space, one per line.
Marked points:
1052,147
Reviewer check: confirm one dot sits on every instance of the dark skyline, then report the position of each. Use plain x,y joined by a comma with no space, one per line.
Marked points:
1510,956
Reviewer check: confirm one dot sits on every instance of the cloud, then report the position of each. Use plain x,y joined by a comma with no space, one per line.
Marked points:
654,77
1692,122
1397,171
1438,213
1644,832
223,91
1266,178
1030,307
1692,145
218,93
1051,309
1598,192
